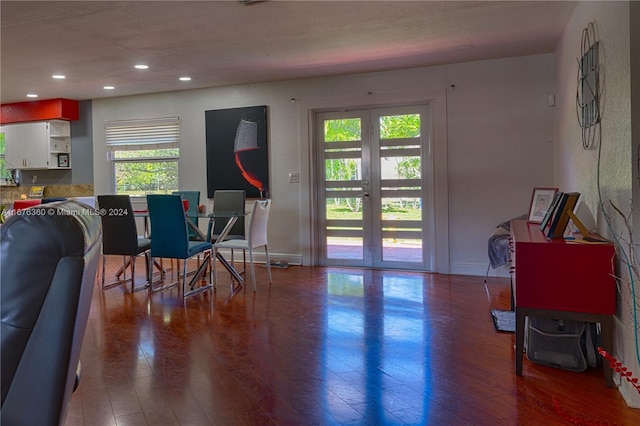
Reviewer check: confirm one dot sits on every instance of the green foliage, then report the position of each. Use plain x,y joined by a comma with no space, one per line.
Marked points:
400,126
391,127
347,129
409,168
155,171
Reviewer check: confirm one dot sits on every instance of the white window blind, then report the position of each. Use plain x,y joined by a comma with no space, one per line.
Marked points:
146,134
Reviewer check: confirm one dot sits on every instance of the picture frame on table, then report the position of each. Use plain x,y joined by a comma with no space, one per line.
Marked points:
551,210
541,200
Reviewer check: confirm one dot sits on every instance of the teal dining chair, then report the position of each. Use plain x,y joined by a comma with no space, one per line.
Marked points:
170,240
193,198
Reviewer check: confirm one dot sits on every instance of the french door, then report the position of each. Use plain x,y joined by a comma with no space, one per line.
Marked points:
374,188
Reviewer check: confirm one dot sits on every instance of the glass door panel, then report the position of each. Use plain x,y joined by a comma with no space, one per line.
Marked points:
370,189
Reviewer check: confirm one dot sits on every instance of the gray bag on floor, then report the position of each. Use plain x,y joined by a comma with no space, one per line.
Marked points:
565,344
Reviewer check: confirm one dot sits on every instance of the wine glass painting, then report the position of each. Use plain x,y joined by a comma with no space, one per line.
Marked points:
237,156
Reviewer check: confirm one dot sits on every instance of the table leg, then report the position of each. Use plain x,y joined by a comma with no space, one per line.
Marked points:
124,266
202,268
229,267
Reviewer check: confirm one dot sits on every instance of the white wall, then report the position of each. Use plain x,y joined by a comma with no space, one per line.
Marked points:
576,169
493,143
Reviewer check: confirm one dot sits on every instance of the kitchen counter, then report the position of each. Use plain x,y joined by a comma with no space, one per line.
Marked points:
10,193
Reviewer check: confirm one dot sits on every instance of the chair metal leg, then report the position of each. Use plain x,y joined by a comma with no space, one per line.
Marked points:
184,277
104,261
153,289
215,268
212,258
253,269
266,253
127,261
133,273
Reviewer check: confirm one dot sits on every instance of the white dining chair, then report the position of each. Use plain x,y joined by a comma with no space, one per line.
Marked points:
256,238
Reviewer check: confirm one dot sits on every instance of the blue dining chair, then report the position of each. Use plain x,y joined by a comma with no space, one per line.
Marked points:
170,239
193,198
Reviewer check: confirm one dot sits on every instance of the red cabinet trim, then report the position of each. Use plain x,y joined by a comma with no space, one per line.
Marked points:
50,109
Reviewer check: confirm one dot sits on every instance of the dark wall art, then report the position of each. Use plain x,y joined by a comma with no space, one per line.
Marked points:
237,155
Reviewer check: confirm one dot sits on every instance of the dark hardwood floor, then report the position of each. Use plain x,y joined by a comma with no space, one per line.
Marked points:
323,346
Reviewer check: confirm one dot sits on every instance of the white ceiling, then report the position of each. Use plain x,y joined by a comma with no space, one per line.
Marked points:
96,43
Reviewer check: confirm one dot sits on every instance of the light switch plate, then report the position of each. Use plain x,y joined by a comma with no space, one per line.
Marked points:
294,177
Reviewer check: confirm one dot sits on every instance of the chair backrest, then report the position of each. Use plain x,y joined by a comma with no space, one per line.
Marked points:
231,200
258,223
119,232
169,229
193,198
48,265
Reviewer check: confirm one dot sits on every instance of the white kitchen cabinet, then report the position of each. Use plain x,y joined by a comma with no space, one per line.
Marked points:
38,145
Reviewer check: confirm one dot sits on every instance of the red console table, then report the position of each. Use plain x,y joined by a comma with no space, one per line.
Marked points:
562,279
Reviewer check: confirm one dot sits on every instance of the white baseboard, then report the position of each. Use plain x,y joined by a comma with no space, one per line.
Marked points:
478,269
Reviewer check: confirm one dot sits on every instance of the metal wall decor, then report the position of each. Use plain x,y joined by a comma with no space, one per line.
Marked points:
588,88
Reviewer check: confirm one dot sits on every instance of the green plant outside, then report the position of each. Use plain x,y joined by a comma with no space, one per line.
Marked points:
391,127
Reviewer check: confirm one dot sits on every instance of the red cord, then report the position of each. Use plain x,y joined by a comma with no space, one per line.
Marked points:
618,367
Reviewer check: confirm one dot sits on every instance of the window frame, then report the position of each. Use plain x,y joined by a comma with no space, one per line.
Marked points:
144,134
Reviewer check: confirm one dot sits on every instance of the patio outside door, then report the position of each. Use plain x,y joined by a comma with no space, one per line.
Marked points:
374,188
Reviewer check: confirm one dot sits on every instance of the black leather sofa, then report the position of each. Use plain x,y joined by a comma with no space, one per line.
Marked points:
48,260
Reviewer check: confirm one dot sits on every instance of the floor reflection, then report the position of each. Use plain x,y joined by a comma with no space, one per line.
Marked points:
321,346
376,354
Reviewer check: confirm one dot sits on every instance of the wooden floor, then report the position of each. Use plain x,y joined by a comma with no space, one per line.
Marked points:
323,346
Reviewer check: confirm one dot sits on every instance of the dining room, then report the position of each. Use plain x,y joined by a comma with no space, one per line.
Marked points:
490,129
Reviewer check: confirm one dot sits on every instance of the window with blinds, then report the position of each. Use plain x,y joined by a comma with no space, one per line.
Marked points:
144,155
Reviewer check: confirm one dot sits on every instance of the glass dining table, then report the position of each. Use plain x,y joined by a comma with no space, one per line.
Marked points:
231,217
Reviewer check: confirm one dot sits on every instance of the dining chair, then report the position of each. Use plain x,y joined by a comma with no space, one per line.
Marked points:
170,239
227,201
193,198
120,237
256,237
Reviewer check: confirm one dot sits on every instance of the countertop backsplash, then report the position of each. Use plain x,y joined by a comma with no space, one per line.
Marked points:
8,193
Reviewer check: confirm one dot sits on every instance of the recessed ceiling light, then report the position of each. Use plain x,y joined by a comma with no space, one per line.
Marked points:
59,76
31,95
108,87
141,67
185,78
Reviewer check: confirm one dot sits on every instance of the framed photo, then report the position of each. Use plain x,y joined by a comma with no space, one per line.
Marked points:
551,210
541,200
63,160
